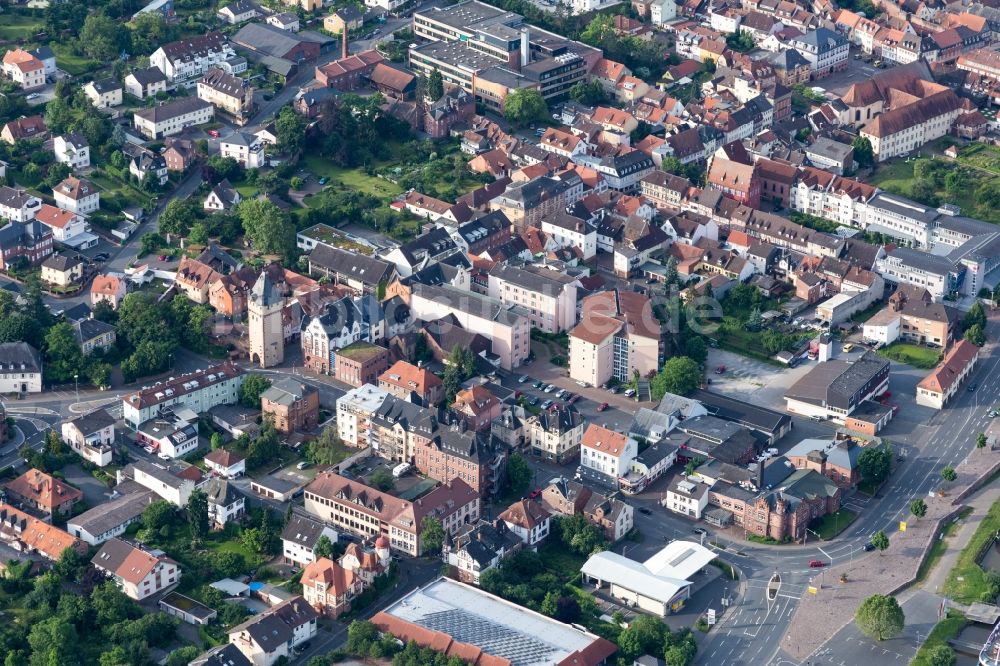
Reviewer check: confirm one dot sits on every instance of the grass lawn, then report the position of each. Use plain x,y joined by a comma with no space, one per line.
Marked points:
832,524
968,581
950,627
924,358
940,545
14,27
356,179
864,315
981,156
73,64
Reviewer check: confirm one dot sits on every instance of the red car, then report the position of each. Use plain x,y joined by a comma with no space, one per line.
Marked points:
535,493
601,407
213,133
816,564
163,257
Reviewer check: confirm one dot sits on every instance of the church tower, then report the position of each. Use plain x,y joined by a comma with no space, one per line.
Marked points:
267,339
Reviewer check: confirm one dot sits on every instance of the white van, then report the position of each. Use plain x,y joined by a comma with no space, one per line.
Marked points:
400,470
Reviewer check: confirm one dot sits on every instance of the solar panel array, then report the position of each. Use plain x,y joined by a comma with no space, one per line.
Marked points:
492,638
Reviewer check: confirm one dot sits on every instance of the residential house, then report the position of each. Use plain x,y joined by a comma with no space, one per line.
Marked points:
139,573
21,242
245,148
413,384
17,205
476,406
481,547
23,129
274,634
180,154
222,197
104,93
61,270
188,58
555,433
94,334
614,517
42,492
194,278
225,463
229,94
24,69
285,20
239,11
347,17
111,518
529,520
65,225
300,537
606,455
329,588
30,535
145,83
912,315
226,504
108,288
77,195
91,436
937,388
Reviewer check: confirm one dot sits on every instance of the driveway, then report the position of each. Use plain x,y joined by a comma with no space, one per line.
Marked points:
94,492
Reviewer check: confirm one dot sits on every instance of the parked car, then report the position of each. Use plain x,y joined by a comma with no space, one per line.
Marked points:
614,389
848,348
601,407
546,404
101,256
699,530
522,379
535,493
583,384
550,388
163,257
538,384
322,181
163,456
213,133
534,400
562,393
302,465
645,511
816,564
972,387
629,393
869,547
572,399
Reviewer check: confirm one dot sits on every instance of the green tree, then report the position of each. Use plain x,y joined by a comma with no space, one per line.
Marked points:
324,547
679,375
360,636
216,441
645,635
223,168
290,129
948,473
918,508
981,440
940,655
102,38
185,655
431,535
524,106
111,605
670,272
880,541
880,617
589,94
975,316
975,335
435,85
158,514
265,447
864,155
54,642
253,386
741,41
197,513
518,474
62,353
71,565
874,463
382,480
267,227
327,449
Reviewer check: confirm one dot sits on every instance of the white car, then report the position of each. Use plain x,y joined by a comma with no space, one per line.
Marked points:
523,379
32,96
163,456
550,388
629,393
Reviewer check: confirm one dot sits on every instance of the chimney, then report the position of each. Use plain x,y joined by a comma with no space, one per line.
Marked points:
525,48
343,49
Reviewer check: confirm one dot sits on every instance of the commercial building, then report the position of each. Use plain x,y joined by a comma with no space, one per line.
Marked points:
366,512
198,391
139,573
834,389
507,327
110,519
937,388
660,585
461,620
173,117
618,335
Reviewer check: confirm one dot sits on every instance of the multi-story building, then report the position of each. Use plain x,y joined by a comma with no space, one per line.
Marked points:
23,129
245,148
173,117
739,181
138,572
198,391
160,479
107,288
24,69
548,296
528,520
398,428
275,634
618,335
366,512
939,275
664,189
568,498
292,406
527,204
360,363
29,242
300,537
476,406
555,433
61,270
836,459
110,519
508,328
354,411
606,454
457,452
571,231
912,315
91,436
230,94
226,464
43,493
191,57
77,196
826,51
33,536
169,434
842,200
64,225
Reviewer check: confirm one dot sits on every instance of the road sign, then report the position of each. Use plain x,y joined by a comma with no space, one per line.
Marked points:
902,526
812,590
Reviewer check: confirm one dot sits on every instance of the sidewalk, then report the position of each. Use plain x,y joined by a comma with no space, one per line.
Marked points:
980,503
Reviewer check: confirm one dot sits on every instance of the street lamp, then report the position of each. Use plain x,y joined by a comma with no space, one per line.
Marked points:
76,380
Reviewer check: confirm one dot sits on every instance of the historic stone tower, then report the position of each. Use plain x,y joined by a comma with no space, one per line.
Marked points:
267,339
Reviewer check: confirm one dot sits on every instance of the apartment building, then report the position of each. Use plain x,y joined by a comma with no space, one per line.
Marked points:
527,204
188,58
398,428
173,117
507,327
229,94
941,385
368,513
571,232
198,391
548,296
555,433
145,83
457,452
43,493
823,194
354,410
413,384
618,335
136,571
606,454
826,51
292,406
28,241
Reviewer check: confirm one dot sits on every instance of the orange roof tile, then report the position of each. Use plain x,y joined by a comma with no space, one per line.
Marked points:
607,441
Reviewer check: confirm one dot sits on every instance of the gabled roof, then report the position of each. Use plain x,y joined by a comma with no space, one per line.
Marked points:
951,367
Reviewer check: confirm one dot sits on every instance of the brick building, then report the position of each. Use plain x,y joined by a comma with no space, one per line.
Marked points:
361,363
293,406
